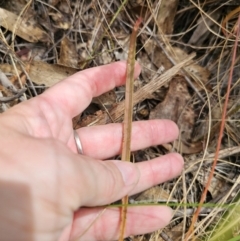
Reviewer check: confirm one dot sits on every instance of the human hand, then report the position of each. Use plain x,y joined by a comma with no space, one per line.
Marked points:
44,182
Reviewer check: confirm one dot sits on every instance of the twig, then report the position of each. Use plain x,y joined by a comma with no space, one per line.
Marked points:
128,112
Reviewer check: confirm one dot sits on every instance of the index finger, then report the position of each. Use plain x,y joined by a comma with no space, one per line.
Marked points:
75,93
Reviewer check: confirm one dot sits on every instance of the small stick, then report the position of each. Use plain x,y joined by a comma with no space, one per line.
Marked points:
128,112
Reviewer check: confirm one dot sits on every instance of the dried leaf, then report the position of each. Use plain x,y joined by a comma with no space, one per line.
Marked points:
166,15
68,53
157,56
13,5
25,28
154,194
198,73
122,53
178,108
31,52
203,25
105,100
61,20
217,183
53,2
175,233
148,67
105,57
42,73
89,120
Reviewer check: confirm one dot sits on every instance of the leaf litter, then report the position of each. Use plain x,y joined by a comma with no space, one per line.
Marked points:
184,48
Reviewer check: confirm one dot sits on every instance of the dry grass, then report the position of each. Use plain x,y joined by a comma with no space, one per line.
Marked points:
83,34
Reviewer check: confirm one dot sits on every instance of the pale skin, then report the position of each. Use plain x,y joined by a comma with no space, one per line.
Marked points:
50,192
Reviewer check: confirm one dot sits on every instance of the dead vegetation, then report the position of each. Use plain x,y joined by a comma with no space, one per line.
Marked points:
185,49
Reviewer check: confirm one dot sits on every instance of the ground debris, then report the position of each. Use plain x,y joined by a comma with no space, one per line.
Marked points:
185,51
177,106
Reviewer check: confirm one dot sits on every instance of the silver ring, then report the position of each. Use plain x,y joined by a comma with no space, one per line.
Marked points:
78,142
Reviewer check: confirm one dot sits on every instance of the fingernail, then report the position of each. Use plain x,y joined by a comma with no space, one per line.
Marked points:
128,171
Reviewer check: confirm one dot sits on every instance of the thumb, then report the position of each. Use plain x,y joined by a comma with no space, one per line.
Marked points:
103,182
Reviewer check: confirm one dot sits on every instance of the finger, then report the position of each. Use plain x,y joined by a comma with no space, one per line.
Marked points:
98,224
97,183
75,93
105,182
157,171
96,140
